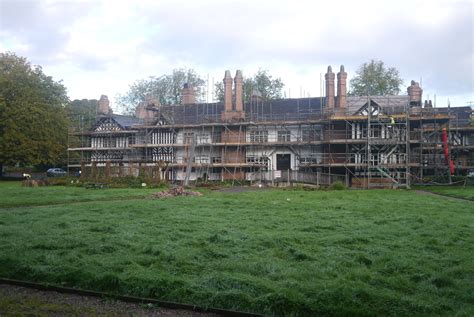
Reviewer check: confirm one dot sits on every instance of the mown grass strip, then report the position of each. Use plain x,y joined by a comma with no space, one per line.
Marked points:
12,194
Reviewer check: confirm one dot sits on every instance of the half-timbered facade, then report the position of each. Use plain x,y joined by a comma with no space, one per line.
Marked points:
368,141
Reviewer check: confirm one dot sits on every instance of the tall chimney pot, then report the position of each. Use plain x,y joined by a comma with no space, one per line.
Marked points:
227,91
103,107
188,95
341,88
329,88
415,93
238,80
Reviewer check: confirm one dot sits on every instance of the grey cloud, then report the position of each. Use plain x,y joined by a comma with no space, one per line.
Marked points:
213,39
19,15
41,28
216,37
89,62
442,54
224,34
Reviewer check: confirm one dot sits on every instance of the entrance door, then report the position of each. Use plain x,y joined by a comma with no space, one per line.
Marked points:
283,162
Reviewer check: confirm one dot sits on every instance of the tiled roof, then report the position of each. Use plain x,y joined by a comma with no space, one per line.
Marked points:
256,111
125,121
297,109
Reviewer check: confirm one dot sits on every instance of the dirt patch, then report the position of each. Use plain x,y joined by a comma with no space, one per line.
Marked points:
34,182
174,192
20,301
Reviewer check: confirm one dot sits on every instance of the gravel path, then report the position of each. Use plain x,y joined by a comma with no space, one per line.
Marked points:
20,301
424,192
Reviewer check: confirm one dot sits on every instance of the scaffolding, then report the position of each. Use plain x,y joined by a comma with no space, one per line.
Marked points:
367,147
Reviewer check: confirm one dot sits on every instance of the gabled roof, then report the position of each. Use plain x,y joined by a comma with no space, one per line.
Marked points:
124,122
385,104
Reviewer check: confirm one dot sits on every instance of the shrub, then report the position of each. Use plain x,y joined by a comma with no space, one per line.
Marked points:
34,183
60,181
135,182
337,186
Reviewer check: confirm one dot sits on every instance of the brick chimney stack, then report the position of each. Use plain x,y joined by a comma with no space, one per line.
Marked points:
239,82
341,88
188,95
415,93
104,105
146,110
228,91
233,113
329,88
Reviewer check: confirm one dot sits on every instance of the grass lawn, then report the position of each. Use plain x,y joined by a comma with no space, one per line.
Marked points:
453,191
294,252
13,195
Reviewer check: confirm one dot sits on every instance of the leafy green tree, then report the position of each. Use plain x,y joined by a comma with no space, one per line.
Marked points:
33,123
268,87
262,82
375,79
82,113
166,89
81,116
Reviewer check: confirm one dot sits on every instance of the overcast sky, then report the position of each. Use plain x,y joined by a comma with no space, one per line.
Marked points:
101,47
